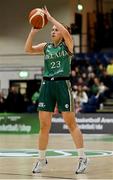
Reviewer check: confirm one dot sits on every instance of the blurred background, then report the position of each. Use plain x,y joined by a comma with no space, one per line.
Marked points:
91,24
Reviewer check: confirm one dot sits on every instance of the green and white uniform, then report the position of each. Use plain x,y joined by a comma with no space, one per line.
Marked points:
57,61
55,89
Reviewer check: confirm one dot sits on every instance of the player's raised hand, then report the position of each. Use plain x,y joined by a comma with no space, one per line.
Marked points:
47,12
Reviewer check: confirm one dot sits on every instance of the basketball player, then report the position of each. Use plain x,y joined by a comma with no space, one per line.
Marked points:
56,88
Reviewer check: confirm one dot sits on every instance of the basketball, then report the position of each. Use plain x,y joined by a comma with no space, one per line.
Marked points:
37,18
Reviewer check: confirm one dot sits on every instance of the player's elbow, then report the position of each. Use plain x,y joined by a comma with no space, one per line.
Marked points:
27,50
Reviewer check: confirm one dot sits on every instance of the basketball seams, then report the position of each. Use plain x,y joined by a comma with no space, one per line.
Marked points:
43,22
37,13
38,18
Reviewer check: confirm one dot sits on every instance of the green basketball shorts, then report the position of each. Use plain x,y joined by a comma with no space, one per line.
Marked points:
56,92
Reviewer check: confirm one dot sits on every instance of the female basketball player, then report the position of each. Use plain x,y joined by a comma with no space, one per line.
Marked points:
56,88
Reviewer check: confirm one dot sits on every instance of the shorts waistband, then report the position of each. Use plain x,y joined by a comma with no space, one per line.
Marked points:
56,78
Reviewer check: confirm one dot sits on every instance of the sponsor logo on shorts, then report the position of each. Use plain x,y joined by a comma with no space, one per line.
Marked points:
66,106
41,104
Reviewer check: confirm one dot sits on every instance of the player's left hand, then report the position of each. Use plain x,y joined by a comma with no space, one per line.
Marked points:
47,12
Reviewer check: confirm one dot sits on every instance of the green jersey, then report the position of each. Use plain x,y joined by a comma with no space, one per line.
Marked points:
56,61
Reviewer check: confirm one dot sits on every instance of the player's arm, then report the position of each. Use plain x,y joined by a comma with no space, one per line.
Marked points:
34,49
65,33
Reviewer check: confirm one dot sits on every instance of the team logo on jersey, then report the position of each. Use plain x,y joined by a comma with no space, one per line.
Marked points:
58,54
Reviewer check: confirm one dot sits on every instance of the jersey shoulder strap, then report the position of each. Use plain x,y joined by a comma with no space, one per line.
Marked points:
46,46
67,48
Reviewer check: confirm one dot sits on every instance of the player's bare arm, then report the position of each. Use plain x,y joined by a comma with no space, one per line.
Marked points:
66,35
34,49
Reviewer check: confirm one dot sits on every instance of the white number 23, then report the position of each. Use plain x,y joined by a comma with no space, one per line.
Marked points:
55,64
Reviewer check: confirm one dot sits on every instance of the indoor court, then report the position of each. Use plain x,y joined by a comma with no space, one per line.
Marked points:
19,152
86,60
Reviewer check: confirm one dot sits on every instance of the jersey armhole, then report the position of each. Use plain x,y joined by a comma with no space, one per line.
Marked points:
45,47
70,53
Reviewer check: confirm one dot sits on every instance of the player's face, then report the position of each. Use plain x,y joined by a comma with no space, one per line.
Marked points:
56,35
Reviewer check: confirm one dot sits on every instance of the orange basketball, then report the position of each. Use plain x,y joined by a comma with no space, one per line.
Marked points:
37,18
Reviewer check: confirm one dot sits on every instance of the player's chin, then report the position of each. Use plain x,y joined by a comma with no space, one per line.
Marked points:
53,38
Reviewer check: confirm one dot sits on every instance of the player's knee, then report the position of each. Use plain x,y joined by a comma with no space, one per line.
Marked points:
71,125
45,126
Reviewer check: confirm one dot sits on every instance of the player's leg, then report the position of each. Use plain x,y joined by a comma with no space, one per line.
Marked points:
69,118
46,107
66,106
45,124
